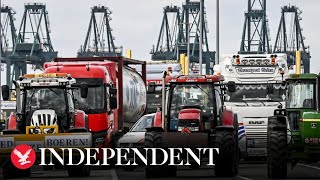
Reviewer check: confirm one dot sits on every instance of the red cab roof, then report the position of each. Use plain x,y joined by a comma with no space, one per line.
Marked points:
195,78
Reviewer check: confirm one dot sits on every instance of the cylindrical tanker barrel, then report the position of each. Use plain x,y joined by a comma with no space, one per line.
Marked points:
134,95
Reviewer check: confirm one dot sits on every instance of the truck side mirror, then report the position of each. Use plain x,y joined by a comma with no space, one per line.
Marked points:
270,88
151,87
113,102
231,86
113,91
84,90
5,92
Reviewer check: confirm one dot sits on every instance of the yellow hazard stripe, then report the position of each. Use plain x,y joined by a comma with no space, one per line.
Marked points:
311,120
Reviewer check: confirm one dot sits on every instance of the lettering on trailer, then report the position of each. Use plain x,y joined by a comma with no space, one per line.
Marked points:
155,81
256,122
255,70
36,145
6,143
8,105
132,93
68,141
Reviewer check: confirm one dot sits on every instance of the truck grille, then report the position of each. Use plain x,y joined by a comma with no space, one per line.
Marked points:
258,134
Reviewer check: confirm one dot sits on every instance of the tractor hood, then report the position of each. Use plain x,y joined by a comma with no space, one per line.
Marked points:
191,113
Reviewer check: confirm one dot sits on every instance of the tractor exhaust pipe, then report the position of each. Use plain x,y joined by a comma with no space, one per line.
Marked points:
317,92
163,108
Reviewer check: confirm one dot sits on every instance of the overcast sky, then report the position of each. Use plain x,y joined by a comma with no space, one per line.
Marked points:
136,23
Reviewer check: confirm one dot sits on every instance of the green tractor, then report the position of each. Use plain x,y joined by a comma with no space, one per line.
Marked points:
294,131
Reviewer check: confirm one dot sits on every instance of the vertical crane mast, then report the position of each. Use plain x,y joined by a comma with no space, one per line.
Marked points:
33,43
255,36
289,37
99,40
8,33
191,27
183,36
166,48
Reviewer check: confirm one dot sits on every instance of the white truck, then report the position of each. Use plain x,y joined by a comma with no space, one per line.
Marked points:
259,91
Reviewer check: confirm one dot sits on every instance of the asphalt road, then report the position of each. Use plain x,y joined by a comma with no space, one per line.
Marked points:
247,171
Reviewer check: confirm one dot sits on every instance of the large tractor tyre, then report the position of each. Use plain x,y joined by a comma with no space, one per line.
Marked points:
277,155
272,121
9,171
226,161
79,171
154,140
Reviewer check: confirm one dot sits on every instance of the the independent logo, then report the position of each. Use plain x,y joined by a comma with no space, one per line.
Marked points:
23,156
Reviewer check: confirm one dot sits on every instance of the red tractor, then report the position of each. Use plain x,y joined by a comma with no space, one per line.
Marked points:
195,116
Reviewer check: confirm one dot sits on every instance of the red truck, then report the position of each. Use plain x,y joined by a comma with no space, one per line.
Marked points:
116,93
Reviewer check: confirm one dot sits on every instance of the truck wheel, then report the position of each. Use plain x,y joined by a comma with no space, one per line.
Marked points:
79,171
226,161
277,154
153,140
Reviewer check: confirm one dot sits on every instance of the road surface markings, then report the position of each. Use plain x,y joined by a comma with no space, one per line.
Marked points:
313,167
244,178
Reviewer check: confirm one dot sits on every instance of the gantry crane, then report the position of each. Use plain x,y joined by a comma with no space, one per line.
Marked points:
255,35
33,43
99,39
183,36
289,37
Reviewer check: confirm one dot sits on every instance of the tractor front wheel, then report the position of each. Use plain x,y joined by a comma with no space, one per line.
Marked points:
154,140
226,161
277,155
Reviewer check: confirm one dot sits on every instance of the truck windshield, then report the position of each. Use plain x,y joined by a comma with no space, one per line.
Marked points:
301,95
143,123
154,100
191,95
45,98
256,91
95,101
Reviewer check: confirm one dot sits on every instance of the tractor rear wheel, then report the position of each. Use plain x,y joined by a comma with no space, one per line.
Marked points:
226,161
154,140
277,155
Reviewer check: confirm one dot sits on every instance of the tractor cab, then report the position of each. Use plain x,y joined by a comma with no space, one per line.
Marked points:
194,102
45,104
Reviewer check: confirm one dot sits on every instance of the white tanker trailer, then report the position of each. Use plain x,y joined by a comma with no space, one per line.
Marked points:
134,95
253,74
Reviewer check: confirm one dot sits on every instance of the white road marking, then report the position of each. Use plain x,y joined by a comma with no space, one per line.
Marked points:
313,167
114,175
244,178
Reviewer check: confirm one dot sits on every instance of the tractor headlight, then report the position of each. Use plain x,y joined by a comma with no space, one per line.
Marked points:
259,61
266,61
244,61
